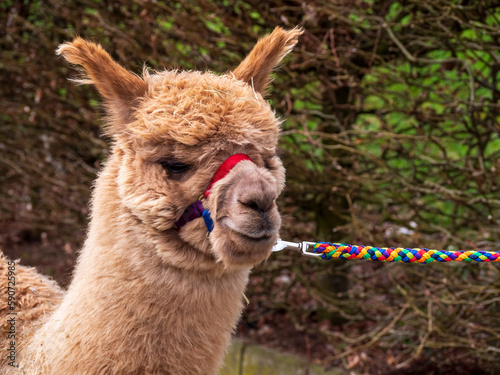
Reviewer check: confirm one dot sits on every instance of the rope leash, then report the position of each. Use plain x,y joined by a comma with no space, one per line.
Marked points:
390,254
327,251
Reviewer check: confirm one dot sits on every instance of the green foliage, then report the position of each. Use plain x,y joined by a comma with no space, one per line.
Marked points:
392,116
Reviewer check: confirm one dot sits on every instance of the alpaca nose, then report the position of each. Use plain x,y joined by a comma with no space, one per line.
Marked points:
259,197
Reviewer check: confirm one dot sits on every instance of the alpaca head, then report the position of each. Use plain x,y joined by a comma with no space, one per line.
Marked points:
171,132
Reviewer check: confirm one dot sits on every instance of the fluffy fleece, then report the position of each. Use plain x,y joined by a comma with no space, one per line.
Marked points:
145,298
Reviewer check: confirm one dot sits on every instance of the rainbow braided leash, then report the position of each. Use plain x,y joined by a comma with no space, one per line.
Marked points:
327,251
399,254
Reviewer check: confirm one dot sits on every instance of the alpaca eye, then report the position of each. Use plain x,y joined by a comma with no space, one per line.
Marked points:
174,166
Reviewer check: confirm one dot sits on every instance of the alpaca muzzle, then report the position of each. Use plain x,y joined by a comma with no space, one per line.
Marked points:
196,210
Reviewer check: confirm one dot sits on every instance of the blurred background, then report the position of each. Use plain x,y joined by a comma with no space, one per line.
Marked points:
391,138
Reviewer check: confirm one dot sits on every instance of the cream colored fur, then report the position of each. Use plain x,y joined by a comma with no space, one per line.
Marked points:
146,299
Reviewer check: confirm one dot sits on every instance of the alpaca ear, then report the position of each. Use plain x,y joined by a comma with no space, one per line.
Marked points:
267,53
120,88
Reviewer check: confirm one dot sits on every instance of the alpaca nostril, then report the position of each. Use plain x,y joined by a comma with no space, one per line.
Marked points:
260,206
253,206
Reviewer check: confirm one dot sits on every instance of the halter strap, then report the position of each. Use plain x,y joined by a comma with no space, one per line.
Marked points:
224,169
196,210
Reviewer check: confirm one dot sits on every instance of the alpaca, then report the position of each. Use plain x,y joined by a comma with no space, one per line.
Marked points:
152,293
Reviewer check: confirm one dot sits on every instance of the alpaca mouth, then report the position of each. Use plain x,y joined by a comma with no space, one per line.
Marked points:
259,236
262,238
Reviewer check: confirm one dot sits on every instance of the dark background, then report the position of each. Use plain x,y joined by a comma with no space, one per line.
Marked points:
391,138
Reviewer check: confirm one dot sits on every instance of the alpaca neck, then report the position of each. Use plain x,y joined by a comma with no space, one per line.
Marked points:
130,311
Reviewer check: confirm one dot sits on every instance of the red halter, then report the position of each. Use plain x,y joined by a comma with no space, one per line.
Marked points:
196,209
224,169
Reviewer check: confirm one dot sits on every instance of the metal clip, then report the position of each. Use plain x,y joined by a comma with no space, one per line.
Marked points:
303,247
